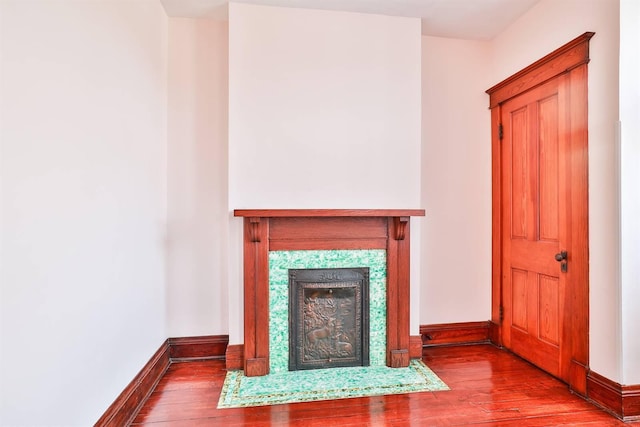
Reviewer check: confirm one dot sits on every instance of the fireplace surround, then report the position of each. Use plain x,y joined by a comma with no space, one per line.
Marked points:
323,229
280,265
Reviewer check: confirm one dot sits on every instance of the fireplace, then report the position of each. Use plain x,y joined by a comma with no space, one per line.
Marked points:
270,231
328,318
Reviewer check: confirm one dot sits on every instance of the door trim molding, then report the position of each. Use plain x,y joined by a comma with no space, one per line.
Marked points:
570,59
561,60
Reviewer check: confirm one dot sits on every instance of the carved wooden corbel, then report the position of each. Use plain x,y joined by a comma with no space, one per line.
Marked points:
254,229
400,226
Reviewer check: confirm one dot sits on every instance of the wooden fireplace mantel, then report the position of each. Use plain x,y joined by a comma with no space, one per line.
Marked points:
324,229
292,213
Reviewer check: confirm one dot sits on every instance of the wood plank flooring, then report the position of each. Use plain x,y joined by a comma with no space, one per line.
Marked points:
489,387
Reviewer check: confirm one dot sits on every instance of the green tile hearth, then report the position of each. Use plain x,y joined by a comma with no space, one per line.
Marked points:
326,384
279,264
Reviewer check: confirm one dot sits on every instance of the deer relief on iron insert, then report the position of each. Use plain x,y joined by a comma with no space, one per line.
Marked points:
329,324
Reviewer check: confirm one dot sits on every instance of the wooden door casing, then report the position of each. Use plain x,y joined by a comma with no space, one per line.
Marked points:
559,80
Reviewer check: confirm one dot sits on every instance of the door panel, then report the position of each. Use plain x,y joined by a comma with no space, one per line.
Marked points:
549,174
519,165
549,307
533,234
519,298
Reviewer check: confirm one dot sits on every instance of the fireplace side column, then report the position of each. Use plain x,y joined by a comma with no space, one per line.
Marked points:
256,296
398,292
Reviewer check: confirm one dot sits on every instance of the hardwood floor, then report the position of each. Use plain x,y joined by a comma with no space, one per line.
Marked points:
489,386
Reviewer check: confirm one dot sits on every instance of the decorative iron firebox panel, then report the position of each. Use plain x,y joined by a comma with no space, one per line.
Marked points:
328,318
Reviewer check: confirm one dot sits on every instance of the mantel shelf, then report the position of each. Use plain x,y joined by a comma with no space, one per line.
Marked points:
294,213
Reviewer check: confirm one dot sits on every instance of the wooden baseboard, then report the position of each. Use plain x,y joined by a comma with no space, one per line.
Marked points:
198,348
415,346
495,334
631,402
126,406
455,333
621,401
235,357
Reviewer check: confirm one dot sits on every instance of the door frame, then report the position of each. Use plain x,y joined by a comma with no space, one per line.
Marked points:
570,59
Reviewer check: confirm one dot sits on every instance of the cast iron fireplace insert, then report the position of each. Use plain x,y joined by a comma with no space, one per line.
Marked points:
328,318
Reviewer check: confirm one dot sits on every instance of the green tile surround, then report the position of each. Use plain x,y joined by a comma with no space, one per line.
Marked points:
279,264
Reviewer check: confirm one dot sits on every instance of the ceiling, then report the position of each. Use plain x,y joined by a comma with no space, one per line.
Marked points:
463,19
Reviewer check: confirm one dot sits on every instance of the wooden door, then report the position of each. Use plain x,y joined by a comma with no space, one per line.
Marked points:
535,205
540,307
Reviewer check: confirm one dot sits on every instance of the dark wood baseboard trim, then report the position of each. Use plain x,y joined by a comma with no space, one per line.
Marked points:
198,348
415,347
455,333
125,407
495,334
631,402
235,357
622,401
605,393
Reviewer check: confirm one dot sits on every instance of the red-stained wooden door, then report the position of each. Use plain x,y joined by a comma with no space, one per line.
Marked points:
535,204
540,247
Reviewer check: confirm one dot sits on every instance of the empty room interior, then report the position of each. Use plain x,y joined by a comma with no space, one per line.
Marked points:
205,199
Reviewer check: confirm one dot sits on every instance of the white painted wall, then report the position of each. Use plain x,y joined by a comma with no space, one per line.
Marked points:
630,180
324,112
197,254
456,181
314,91
544,28
83,166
